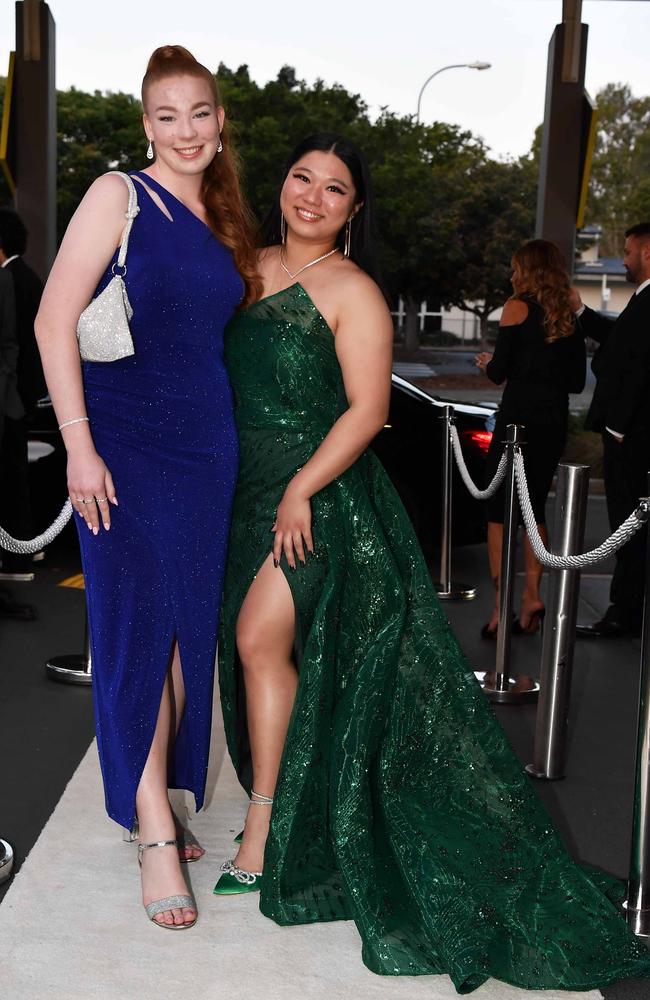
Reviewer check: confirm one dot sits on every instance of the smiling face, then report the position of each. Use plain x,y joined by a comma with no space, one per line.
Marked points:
318,197
183,122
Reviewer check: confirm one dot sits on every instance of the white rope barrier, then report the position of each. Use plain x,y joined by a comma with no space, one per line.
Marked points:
29,546
499,475
615,541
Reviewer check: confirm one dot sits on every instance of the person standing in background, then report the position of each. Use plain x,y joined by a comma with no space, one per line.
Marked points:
619,410
540,355
15,504
11,410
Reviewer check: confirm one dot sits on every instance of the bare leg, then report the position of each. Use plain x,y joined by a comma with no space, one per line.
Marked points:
177,709
265,635
530,599
161,871
495,542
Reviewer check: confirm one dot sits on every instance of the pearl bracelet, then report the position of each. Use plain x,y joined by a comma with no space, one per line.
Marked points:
77,420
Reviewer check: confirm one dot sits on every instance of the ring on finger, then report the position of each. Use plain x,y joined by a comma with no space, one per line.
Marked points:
101,499
92,500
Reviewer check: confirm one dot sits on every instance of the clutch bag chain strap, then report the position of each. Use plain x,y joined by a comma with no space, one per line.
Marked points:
103,327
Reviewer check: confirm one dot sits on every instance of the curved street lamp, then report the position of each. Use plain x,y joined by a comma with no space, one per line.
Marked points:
472,65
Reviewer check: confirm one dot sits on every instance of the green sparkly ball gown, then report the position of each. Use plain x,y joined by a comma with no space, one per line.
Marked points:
400,803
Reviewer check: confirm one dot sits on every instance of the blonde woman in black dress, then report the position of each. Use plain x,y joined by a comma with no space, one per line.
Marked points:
540,355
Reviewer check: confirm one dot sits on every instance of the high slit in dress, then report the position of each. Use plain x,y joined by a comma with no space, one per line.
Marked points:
162,421
399,802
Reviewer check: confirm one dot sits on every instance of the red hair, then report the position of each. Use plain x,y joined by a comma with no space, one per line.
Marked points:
227,213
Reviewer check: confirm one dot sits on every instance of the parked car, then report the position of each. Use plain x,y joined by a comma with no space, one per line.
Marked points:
409,447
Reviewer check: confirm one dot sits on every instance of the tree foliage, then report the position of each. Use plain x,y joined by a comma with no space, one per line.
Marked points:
619,193
447,217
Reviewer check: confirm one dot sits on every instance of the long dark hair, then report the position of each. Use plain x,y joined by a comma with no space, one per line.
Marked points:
361,250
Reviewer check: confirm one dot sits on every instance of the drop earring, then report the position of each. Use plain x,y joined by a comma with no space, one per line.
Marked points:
220,146
150,152
348,234
283,229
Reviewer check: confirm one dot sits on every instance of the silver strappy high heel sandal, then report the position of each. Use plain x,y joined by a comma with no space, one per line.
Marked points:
178,902
184,836
236,880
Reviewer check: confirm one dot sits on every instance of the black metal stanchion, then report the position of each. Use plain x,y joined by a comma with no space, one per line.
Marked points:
446,590
6,860
559,633
75,668
497,684
637,904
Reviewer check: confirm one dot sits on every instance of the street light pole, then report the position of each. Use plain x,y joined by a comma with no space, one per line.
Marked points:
474,65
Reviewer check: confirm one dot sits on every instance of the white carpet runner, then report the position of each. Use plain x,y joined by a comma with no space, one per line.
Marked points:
72,926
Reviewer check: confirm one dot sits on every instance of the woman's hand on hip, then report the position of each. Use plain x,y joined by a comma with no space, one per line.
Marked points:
292,528
91,489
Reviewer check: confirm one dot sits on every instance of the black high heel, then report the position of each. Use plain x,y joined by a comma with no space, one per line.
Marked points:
491,633
534,626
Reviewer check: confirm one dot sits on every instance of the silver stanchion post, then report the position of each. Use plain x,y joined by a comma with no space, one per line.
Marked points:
74,668
447,591
6,860
497,684
559,634
637,904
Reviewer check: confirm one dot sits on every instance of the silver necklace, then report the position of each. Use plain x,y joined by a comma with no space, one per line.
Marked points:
305,266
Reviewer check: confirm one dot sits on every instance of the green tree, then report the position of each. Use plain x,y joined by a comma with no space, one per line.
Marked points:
95,133
419,173
495,215
619,192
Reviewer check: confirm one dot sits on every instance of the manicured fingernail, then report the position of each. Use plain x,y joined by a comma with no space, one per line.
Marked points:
95,531
114,500
276,563
107,526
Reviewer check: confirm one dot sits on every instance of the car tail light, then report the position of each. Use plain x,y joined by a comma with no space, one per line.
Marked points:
480,439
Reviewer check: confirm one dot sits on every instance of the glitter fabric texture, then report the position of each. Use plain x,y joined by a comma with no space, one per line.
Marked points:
162,421
400,803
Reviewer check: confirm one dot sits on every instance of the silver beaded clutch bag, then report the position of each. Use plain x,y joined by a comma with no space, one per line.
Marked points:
103,327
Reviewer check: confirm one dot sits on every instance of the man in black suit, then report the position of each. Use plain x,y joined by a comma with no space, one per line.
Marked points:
620,410
15,507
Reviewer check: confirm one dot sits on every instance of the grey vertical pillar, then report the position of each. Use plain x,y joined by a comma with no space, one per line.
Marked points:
562,147
447,591
35,130
551,728
637,904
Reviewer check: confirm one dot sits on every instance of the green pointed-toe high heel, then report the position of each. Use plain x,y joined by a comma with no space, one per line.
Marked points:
237,880
234,880
178,902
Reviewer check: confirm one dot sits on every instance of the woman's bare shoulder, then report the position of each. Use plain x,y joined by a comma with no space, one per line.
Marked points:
514,312
354,283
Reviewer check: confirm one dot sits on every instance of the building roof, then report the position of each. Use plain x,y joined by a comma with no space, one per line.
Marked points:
611,266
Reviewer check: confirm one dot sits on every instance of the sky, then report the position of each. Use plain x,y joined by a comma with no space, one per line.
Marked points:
383,50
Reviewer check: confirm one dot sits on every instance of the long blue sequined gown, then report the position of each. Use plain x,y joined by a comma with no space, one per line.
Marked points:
162,420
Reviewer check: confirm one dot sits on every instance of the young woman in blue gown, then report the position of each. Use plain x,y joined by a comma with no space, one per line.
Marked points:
152,454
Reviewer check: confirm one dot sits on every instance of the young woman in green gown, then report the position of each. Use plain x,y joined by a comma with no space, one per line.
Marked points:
382,788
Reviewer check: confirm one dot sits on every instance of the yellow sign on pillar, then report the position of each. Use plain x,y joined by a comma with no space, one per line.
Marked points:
7,150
